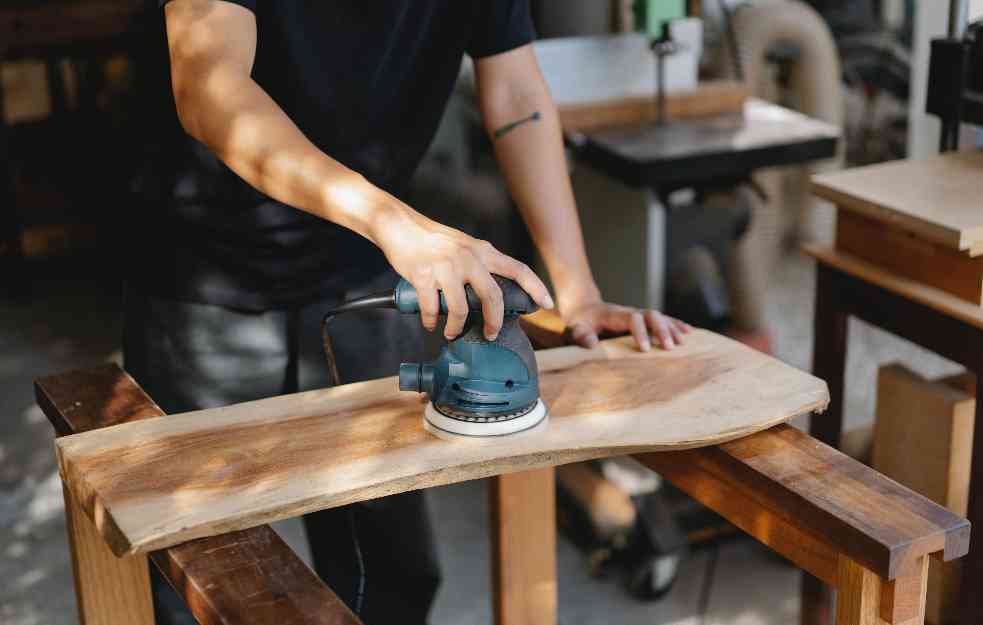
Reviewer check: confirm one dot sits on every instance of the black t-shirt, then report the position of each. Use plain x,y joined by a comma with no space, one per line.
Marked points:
367,81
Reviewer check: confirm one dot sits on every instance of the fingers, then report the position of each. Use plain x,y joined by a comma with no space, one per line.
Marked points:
644,325
678,329
660,326
506,266
636,323
457,302
429,305
584,335
492,306
623,319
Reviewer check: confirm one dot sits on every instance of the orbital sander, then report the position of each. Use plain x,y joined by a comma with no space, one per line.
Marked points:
476,387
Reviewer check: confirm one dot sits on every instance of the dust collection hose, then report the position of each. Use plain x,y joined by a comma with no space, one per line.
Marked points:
386,299
817,91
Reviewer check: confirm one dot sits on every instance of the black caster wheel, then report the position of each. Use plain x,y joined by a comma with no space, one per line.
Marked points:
653,579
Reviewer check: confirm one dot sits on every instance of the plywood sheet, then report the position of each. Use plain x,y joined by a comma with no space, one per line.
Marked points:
939,198
159,482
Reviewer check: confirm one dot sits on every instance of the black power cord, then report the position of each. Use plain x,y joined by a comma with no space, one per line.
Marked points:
379,300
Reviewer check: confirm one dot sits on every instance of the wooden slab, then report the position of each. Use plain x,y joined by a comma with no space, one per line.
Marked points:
159,482
939,198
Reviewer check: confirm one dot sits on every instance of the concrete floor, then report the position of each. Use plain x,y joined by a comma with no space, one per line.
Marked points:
73,321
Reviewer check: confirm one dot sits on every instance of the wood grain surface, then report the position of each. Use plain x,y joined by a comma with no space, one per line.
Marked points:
159,482
877,522
523,527
249,577
859,597
938,198
907,254
108,590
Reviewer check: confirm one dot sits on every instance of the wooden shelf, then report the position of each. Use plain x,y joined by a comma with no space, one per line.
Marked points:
932,297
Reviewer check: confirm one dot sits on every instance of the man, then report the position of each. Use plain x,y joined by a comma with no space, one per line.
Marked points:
319,113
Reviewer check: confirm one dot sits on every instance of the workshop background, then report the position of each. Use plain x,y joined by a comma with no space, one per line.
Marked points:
73,115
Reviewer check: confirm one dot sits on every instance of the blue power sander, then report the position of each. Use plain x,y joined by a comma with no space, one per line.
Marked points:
476,387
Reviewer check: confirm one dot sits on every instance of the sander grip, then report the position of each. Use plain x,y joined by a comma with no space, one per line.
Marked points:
516,301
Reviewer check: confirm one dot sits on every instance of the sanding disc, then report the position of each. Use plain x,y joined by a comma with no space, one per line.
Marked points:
439,423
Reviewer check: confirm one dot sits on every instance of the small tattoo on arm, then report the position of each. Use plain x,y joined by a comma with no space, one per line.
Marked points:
507,128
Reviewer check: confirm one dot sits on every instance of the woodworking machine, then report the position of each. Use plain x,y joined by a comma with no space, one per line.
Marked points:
476,387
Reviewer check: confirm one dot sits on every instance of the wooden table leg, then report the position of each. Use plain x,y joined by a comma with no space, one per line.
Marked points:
109,590
828,363
866,599
829,356
523,510
970,607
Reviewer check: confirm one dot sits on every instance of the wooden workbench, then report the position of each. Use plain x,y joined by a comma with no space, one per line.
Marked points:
832,516
908,259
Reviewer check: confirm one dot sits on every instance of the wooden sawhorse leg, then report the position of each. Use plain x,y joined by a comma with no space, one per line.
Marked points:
249,577
523,511
865,599
109,590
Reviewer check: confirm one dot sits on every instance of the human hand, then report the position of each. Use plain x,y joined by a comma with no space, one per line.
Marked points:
590,319
433,257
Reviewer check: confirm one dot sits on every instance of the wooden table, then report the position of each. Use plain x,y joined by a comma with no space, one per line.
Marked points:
908,260
836,518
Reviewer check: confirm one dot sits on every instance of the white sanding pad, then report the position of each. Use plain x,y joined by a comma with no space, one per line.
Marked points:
440,424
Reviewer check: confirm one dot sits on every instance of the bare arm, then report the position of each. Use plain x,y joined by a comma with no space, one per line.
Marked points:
212,47
522,121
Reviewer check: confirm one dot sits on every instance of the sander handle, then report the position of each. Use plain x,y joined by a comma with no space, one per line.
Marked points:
516,301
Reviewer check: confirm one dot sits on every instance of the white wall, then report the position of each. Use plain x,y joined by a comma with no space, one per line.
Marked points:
930,22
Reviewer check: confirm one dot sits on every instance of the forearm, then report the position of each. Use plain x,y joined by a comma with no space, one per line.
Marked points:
219,104
249,132
533,161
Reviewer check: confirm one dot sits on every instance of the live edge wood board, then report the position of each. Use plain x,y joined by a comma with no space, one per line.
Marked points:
159,482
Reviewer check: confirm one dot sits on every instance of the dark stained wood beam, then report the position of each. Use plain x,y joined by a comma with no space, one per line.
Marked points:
793,492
